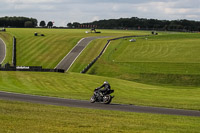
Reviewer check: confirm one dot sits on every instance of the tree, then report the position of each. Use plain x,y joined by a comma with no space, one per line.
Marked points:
50,24
42,24
146,24
75,24
34,22
17,22
28,24
69,25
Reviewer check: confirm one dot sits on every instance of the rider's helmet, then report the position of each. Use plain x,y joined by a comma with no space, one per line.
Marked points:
105,82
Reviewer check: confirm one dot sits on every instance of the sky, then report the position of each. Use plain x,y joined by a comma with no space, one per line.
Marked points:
65,11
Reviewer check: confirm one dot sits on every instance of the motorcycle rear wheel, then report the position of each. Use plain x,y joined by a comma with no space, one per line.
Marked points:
107,99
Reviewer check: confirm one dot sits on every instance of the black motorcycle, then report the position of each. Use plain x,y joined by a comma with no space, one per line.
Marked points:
105,97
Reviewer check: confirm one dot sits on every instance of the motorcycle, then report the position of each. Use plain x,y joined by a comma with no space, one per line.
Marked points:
105,97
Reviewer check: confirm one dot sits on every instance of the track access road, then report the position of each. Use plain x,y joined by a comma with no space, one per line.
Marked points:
69,59
2,50
87,104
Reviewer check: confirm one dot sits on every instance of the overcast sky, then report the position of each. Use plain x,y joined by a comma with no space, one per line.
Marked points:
65,11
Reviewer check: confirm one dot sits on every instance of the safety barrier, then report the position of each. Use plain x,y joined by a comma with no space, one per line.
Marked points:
8,67
14,58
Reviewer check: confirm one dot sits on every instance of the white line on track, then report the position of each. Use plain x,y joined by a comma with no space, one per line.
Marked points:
69,53
78,55
4,49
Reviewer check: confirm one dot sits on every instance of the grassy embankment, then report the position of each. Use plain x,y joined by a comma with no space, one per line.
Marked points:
166,59
49,50
80,86
26,117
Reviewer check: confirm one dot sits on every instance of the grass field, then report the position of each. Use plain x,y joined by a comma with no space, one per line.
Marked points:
49,50
24,117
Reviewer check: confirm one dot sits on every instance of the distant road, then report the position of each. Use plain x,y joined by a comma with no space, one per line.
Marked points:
69,59
87,104
2,50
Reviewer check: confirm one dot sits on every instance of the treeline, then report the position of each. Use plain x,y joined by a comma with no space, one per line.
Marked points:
18,22
145,24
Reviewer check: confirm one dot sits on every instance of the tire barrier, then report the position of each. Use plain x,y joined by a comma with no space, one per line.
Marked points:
8,67
3,30
14,58
108,41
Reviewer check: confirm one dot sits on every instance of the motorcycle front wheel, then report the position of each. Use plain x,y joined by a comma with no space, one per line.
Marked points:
92,99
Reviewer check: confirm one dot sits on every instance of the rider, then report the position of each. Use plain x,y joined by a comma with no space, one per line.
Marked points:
106,87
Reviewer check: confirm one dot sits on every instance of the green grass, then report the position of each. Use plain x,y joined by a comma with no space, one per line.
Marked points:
175,48
81,86
24,117
49,50
167,55
45,51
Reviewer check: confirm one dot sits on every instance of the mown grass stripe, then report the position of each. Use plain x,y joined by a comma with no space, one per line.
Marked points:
36,55
34,50
25,46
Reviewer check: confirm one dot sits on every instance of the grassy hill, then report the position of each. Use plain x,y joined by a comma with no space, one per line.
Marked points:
167,58
49,50
161,71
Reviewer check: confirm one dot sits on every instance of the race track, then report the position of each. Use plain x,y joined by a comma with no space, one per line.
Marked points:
69,59
65,64
2,50
87,104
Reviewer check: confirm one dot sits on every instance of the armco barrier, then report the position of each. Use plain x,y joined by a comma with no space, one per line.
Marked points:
27,70
14,58
92,63
7,67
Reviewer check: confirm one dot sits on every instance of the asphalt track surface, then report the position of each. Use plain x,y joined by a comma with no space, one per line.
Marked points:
87,104
2,50
69,59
